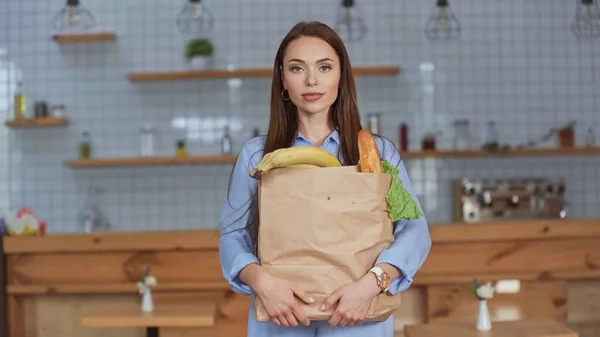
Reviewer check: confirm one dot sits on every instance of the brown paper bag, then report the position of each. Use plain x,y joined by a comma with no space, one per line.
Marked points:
323,228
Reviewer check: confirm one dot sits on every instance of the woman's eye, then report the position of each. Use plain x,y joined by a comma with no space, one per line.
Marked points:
295,69
325,68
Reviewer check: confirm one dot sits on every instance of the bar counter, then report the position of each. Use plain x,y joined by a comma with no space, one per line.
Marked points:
54,281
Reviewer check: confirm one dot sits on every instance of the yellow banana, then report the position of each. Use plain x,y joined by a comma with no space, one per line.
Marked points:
296,155
303,166
265,159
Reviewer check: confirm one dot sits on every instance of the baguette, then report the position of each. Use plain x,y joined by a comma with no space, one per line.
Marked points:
370,161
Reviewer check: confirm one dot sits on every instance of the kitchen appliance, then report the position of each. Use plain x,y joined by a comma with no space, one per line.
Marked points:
483,200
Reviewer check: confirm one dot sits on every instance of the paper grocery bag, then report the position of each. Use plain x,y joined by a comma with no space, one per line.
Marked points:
323,228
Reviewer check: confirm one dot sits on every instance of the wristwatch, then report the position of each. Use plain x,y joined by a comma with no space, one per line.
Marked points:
383,279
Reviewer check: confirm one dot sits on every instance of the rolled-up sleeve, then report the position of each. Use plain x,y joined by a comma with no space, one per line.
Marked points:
412,239
235,244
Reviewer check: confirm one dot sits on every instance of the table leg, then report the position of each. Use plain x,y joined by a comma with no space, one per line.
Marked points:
152,331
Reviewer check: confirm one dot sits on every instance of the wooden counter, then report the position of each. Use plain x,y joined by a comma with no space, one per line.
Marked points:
55,280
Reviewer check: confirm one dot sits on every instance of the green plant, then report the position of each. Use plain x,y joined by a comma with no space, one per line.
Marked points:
199,47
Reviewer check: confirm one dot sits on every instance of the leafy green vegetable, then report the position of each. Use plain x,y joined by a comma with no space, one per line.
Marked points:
400,204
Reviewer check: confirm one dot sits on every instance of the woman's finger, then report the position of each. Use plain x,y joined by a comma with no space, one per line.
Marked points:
282,320
301,294
276,321
335,318
300,315
291,319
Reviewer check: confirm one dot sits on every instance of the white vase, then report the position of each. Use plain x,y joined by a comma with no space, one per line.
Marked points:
200,62
147,303
484,322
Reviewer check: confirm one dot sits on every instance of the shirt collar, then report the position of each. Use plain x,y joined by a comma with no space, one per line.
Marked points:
333,136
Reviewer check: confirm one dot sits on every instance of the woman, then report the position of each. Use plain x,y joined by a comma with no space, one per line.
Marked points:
313,102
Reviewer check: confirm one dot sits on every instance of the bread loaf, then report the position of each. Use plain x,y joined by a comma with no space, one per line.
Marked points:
370,161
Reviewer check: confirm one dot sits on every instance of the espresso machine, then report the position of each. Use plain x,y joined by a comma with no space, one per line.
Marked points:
485,200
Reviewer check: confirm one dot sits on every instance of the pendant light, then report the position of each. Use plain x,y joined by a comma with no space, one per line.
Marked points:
350,24
587,19
73,17
442,23
195,18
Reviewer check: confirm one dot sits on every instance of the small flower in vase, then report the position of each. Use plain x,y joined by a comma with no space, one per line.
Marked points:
145,284
483,292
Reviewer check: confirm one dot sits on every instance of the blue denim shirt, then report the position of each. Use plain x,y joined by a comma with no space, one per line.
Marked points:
407,253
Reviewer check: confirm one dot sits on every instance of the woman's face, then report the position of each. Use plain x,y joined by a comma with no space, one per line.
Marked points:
311,74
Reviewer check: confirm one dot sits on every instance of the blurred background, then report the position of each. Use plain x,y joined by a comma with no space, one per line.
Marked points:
95,122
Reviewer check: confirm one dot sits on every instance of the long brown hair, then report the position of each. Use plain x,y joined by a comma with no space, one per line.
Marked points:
344,114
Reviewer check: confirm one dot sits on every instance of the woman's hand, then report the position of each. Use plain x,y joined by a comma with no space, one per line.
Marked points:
277,296
354,301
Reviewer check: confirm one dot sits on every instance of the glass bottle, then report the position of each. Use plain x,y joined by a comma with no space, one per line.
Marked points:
226,142
403,137
19,102
85,147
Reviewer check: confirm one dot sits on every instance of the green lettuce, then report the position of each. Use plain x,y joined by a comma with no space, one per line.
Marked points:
400,204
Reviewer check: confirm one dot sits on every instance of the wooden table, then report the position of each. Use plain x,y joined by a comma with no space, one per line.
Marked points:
522,328
162,317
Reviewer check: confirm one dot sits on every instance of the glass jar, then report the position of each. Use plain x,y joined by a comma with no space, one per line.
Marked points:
491,137
85,147
91,217
374,122
58,110
462,135
181,151
147,140
590,138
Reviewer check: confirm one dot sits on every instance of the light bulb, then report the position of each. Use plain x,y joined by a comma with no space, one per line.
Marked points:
587,19
195,18
442,23
72,17
350,24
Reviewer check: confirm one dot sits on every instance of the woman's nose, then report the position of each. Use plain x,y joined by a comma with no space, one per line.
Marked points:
311,78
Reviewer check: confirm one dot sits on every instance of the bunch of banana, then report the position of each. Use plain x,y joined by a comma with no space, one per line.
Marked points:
295,157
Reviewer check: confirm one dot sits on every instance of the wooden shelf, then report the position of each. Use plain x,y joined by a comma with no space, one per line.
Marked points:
576,151
241,73
151,161
36,122
116,288
86,37
230,159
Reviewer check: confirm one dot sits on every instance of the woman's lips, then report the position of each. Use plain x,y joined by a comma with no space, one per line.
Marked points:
312,96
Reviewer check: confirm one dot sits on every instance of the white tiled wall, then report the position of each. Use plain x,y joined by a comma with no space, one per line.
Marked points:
516,63
4,109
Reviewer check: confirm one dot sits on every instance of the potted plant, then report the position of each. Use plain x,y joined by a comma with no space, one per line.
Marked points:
566,135
199,53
